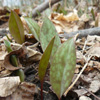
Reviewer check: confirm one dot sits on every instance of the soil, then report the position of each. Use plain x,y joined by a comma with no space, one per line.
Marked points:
48,94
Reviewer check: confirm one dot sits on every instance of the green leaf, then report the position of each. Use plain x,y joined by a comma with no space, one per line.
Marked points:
45,60
93,14
48,31
63,67
16,28
20,73
8,38
34,27
8,46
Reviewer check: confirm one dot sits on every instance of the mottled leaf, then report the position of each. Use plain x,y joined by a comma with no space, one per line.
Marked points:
48,31
34,27
62,67
16,27
45,60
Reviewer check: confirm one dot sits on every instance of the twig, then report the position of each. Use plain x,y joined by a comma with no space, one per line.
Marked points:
43,6
84,46
82,33
50,4
77,77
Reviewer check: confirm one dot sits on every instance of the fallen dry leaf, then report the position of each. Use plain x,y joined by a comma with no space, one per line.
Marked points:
80,58
84,18
90,78
25,91
69,18
93,39
90,81
94,64
3,72
94,51
3,11
84,98
32,54
65,23
3,52
8,85
21,52
77,68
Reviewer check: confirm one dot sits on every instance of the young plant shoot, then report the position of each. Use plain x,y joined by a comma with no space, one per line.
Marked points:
14,61
44,63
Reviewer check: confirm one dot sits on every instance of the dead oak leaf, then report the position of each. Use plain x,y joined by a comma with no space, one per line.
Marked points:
65,23
8,85
21,52
25,91
94,51
32,55
91,81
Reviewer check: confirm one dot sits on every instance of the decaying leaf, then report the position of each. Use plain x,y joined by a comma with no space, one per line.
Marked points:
8,85
65,23
94,51
84,98
3,52
3,11
63,67
90,81
80,58
21,52
32,54
92,39
3,72
94,64
16,27
70,17
25,91
84,18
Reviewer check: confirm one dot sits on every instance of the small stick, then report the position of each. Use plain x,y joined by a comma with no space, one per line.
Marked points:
41,90
50,4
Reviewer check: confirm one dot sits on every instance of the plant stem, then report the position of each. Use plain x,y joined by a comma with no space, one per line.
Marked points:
59,98
41,90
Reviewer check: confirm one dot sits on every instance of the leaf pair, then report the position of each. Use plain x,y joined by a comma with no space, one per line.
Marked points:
63,58
62,66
